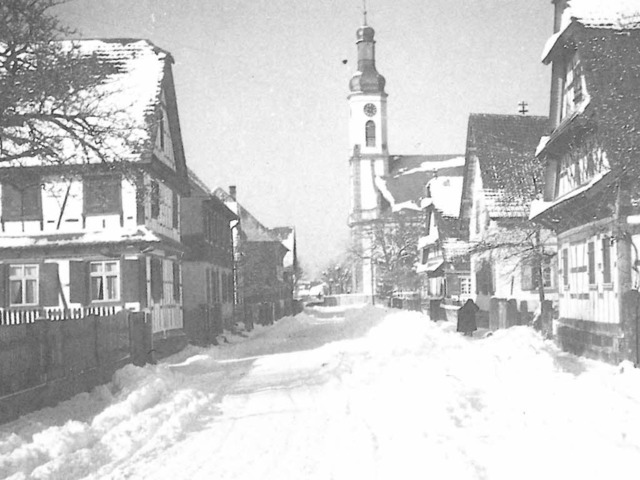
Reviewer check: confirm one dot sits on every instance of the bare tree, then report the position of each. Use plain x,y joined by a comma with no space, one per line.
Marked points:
51,107
337,276
393,250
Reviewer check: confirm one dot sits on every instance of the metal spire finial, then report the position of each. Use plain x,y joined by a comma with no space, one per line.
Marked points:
364,10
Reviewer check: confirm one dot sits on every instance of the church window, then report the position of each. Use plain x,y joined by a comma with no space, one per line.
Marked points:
370,133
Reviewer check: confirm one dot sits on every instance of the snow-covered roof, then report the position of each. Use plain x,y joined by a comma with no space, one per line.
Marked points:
617,14
605,14
406,186
446,193
140,234
126,100
539,207
505,146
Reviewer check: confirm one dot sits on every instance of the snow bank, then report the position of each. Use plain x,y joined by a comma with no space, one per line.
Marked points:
353,393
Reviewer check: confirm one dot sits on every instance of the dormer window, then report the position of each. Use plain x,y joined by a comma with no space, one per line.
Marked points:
574,88
370,133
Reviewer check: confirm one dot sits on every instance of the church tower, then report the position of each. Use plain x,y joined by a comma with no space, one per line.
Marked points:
369,155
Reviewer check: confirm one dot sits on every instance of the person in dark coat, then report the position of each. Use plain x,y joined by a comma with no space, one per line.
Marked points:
467,318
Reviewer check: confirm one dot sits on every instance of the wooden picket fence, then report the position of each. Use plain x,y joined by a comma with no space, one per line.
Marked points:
30,315
48,356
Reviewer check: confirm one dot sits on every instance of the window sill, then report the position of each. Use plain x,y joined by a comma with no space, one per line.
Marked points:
21,219
104,303
101,214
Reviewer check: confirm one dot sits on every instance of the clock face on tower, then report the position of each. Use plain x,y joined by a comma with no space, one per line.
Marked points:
370,109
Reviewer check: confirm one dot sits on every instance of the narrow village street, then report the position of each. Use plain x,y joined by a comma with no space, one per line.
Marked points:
345,394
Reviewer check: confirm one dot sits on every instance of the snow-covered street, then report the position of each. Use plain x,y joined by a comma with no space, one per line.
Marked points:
361,393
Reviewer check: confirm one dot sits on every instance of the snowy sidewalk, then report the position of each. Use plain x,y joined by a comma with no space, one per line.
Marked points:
366,393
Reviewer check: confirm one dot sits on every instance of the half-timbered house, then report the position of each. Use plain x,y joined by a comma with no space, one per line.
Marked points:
591,181
101,233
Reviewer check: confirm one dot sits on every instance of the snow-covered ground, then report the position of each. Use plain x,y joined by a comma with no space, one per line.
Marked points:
365,393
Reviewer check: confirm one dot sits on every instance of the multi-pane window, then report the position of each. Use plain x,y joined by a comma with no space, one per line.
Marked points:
370,133
102,195
105,280
21,203
465,285
573,86
23,284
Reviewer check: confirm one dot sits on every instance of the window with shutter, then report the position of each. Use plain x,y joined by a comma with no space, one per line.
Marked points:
565,267
78,282
175,205
156,279
155,199
49,285
606,260
591,252
21,202
134,280
102,195
176,282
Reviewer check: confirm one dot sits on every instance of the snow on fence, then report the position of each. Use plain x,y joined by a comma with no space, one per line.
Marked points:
45,360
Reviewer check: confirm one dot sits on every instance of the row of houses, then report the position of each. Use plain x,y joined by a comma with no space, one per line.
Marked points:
141,233
540,214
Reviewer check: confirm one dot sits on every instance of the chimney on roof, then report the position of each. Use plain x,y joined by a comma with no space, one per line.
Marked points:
232,191
559,7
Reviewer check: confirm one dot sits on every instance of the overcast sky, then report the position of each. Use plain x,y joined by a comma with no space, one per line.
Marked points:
262,88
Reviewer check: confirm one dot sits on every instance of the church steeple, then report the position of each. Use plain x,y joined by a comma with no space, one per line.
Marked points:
366,79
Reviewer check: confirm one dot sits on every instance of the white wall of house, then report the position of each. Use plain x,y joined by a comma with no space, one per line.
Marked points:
585,294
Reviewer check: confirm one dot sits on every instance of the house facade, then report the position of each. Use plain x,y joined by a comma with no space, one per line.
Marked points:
501,178
96,237
208,266
443,262
264,288
590,197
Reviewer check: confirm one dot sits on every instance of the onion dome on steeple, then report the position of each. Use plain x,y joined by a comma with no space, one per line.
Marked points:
366,79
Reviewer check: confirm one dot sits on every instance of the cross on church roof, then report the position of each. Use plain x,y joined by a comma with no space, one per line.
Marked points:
523,107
